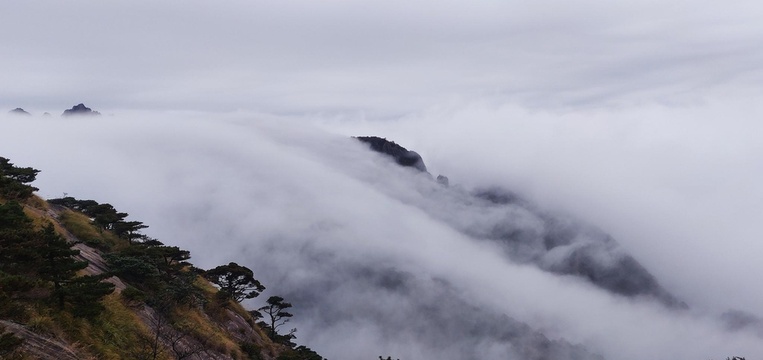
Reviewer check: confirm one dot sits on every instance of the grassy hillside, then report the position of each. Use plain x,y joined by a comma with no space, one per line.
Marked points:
80,281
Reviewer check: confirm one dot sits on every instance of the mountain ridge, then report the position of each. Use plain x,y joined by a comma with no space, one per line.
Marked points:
570,247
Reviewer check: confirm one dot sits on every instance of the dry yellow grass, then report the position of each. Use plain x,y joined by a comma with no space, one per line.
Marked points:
37,203
82,228
114,335
119,331
202,327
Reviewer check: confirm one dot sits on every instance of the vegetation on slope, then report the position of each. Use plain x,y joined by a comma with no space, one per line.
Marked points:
78,277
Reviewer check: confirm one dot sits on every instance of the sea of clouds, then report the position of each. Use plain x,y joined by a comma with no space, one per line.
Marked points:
311,211
226,129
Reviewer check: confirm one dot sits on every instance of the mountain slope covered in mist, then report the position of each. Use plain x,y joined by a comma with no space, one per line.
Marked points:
529,235
430,311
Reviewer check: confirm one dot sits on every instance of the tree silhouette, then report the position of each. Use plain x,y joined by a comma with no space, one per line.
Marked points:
18,241
275,311
236,282
58,264
14,180
59,267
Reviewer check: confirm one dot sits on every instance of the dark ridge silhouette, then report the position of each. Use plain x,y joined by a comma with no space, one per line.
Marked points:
19,111
402,156
80,109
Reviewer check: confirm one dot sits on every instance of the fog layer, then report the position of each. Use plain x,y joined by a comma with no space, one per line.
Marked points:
368,251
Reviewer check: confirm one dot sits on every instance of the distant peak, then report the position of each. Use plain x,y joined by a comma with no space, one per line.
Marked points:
19,111
80,109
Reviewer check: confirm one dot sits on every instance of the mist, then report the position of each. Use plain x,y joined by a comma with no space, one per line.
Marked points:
359,243
227,129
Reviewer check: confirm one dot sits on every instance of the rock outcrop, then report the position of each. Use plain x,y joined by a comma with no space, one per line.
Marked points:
41,346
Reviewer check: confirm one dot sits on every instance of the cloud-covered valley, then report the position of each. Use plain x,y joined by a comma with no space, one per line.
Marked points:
627,133
379,258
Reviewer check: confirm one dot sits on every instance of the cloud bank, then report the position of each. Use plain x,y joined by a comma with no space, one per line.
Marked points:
357,243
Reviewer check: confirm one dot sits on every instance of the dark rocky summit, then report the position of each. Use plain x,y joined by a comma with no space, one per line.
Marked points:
19,111
402,156
80,109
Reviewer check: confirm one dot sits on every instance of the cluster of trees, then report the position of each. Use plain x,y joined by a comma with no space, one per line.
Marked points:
162,277
38,265
105,217
237,283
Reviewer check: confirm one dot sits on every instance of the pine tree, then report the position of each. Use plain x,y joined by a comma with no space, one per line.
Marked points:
236,282
58,263
275,311
18,241
14,180
85,294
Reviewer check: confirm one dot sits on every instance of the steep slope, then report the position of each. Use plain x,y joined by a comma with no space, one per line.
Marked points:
201,335
177,315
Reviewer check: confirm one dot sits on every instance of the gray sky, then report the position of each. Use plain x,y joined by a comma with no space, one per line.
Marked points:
374,58
641,117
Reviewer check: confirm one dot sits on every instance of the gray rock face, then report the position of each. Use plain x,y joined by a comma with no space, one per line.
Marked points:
80,109
40,346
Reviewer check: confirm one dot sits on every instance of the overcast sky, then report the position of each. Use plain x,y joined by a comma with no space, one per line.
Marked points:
374,58
641,117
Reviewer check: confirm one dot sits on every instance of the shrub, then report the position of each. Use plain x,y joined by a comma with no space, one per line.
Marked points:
42,324
251,350
132,296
